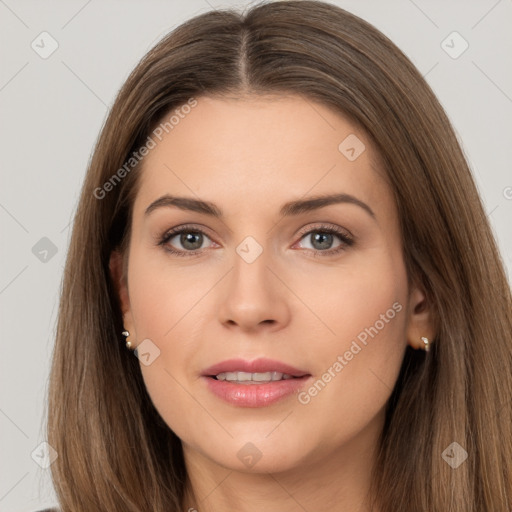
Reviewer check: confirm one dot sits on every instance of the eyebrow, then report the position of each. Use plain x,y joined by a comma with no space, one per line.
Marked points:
291,208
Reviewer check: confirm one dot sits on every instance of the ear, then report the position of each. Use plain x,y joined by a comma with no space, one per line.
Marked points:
119,279
420,321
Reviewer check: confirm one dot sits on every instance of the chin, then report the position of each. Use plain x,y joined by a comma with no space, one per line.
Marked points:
253,454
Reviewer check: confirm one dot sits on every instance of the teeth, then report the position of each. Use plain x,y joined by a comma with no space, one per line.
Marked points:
253,377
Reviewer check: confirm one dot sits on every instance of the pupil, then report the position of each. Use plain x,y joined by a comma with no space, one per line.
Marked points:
324,239
188,238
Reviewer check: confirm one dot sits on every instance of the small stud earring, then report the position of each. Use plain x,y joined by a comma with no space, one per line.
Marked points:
426,342
128,343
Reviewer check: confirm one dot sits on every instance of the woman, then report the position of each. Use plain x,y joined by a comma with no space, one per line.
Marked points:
279,223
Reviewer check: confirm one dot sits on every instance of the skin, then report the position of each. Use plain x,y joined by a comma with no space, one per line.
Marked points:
249,156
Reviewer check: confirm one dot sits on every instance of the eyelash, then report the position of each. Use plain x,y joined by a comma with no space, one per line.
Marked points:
345,239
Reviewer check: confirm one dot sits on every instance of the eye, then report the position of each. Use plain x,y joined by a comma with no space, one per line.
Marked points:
322,238
190,238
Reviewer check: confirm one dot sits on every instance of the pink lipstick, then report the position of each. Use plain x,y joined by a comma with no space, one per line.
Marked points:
255,383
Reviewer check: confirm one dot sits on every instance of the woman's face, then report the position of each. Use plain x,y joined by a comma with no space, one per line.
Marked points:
273,285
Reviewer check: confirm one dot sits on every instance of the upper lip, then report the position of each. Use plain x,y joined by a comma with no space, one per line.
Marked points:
261,365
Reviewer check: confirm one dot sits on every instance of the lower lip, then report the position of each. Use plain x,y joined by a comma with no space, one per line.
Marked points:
255,395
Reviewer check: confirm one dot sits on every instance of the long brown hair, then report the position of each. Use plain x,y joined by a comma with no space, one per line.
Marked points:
115,451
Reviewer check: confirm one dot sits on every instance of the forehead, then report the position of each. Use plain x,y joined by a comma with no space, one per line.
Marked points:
255,149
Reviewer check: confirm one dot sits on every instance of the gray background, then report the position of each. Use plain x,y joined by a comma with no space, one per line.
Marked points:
52,110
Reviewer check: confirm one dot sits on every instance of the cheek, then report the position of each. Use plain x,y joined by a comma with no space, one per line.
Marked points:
346,300
358,364
168,308
164,296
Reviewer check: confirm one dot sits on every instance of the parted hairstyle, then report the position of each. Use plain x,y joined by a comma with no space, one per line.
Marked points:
115,452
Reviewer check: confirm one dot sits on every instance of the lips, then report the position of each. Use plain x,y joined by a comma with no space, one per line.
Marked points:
255,383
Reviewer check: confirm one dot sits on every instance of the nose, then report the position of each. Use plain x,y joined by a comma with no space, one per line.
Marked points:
254,297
